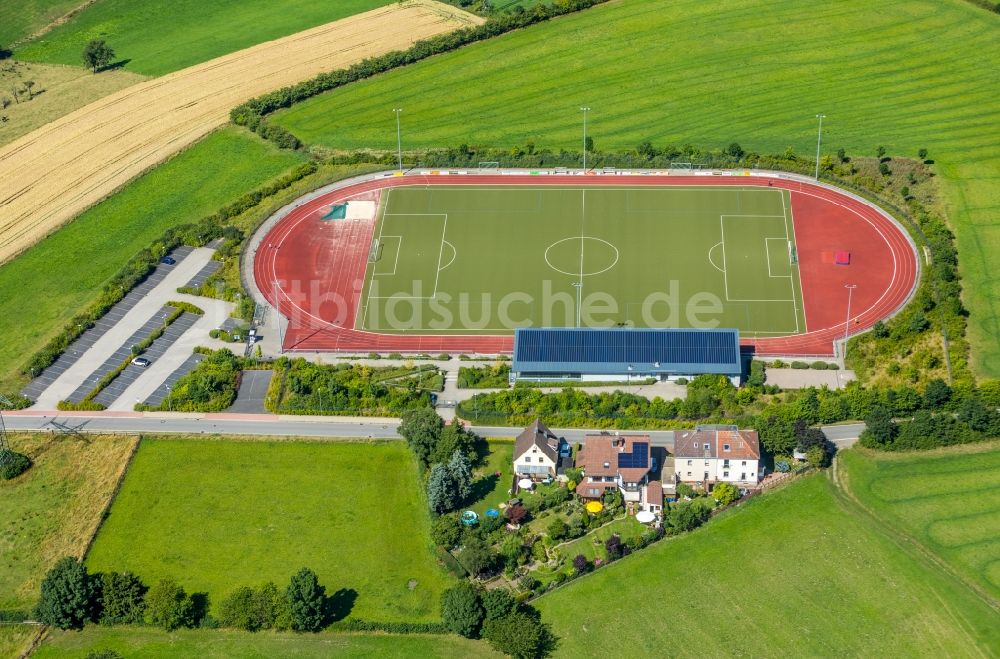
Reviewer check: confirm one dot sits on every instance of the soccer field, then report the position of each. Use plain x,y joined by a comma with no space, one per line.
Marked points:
484,260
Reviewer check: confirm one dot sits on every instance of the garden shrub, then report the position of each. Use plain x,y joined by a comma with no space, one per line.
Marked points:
13,464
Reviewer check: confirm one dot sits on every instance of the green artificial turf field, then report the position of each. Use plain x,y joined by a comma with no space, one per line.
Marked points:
948,499
468,260
42,289
906,74
216,515
795,573
159,37
152,643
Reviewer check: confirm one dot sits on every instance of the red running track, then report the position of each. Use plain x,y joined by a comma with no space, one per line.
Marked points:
313,271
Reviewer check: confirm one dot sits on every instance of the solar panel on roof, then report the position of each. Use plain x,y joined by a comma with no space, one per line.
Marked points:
639,457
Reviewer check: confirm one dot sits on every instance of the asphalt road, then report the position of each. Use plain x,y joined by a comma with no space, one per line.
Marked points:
284,426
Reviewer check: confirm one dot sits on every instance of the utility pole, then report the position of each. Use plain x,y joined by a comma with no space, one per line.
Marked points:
585,110
819,139
399,140
847,321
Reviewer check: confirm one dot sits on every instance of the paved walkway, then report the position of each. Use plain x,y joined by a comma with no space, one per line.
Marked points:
104,347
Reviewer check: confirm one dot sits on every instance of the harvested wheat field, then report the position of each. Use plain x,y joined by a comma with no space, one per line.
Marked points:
52,174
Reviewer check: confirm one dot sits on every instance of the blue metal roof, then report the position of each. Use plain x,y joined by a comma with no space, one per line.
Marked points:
614,351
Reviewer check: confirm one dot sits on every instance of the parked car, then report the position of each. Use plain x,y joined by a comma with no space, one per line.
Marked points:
168,260
141,361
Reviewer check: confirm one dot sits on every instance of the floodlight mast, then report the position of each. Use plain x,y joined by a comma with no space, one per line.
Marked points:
4,447
819,139
399,140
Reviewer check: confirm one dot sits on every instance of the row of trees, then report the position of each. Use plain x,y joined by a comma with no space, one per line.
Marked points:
72,597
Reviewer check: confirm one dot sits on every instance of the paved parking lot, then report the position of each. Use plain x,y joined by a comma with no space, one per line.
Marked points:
250,398
207,271
91,336
177,328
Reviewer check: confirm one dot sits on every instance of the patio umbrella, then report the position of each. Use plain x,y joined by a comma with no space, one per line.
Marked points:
595,507
525,483
645,517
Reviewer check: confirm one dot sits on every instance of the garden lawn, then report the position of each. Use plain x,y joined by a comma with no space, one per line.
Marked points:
626,528
797,569
158,37
906,74
948,499
216,515
53,509
228,644
488,491
41,290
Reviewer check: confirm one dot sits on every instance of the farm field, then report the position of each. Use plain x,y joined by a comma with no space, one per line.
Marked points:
219,514
67,269
156,38
52,510
800,554
58,90
456,259
54,173
227,644
948,499
864,65
22,18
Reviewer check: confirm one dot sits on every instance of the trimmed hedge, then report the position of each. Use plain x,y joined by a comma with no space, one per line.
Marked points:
392,627
187,306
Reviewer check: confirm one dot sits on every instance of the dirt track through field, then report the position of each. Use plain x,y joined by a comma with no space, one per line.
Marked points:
54,173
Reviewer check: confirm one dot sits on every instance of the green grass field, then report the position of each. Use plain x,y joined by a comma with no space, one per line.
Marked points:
490,491
160,37
14,639
797,572
227,644
41,290
901,73
489,259
949,500
52,510
22,18
216,515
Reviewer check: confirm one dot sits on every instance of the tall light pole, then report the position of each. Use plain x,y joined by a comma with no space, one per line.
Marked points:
585,110
847,321
399,140
819,139
578,285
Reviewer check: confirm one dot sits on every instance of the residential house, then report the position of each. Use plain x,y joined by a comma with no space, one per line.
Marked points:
537,452
704,457
623,462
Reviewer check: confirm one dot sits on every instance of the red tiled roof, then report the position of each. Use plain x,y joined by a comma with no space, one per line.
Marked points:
743,445
600,450
654,493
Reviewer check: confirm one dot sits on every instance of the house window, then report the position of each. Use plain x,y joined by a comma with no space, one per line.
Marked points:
593,491
725,447
706,463
689,463
708,446
725,474
743,476
744,463
534,450
527,458
689,473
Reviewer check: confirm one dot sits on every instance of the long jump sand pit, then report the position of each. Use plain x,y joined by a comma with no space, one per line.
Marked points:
51,175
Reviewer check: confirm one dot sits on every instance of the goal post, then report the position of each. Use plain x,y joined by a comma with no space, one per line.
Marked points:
373,252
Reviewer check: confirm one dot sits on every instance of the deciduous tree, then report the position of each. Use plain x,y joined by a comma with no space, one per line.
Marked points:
97,54
461,610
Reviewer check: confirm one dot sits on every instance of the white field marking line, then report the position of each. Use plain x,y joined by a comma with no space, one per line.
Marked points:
710,260
786,209
369,279
437,275
767,249
583,222
586,274
454,255
395,265
726,274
